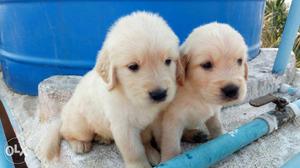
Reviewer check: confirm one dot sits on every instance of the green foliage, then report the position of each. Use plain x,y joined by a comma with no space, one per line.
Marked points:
276,13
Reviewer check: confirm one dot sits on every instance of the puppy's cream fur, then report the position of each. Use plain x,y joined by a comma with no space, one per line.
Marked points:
200,98
111,101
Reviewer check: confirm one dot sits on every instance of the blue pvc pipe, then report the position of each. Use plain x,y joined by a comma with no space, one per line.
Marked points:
5,160
293,163
292,91
288,38
215,150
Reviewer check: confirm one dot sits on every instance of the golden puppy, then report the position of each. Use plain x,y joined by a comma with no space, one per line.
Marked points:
133,80
214,57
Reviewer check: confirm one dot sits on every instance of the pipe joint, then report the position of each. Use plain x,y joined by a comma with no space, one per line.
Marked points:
271,120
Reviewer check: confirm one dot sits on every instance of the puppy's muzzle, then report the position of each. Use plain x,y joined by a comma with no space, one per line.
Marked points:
230,92
158,95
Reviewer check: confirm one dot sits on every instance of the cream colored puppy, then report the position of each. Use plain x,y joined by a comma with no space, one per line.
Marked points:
214,57
133,80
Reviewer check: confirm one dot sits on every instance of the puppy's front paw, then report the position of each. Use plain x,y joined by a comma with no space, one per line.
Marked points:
80,146
153,156
170,153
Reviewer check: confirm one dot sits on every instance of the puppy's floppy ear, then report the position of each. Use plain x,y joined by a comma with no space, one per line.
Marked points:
181,64
106,70
246,70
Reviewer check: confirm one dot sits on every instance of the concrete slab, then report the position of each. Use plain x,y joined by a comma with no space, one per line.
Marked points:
270,151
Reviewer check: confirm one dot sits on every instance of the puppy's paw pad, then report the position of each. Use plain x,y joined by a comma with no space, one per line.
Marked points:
80,146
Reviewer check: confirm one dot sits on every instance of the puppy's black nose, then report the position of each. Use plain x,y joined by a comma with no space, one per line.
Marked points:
230,91
158,95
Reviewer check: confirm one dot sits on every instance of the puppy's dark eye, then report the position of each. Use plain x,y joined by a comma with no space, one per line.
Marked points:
240,61
133,67
168,62
207,65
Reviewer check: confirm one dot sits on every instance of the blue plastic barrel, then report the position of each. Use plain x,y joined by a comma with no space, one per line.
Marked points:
43,38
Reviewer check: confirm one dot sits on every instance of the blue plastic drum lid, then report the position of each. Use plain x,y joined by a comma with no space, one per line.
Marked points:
44,38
